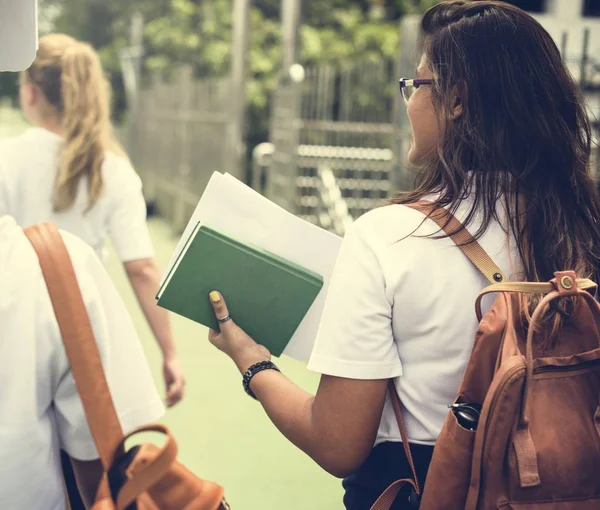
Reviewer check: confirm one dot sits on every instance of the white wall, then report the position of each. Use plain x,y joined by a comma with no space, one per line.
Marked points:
574,27
564,8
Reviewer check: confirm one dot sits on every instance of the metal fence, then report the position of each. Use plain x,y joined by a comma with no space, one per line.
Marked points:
180,138
181,130
340,137
334,135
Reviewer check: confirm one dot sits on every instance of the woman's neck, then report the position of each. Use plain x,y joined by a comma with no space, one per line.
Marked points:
52,125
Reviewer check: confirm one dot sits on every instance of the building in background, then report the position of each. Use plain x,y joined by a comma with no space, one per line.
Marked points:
575,26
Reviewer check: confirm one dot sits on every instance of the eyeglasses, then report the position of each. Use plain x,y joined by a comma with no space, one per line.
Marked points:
408,87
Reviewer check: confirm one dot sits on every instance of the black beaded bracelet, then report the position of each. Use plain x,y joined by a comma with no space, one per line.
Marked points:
252,371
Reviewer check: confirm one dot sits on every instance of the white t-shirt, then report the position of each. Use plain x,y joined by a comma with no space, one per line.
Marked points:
404,309
40,410
28,167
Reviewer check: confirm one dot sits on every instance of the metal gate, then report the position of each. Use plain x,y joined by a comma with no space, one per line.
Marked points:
333,127
183,129
180,139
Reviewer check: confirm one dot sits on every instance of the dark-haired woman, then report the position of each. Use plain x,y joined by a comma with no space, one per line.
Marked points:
503,142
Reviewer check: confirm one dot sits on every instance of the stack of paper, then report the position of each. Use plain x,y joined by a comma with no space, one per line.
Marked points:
230,206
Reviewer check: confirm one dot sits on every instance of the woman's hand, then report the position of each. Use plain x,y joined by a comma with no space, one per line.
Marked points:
174,380
232,340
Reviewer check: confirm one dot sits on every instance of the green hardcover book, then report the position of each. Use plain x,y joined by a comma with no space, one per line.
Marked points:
267,296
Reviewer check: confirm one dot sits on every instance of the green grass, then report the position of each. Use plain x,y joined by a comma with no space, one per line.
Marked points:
223,435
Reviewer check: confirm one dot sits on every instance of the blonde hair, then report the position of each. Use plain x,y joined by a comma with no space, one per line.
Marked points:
70,75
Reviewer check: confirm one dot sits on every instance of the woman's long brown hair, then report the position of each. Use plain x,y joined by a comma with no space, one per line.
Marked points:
524,136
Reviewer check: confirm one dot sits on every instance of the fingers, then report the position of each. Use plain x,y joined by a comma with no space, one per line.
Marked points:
174,381
231,339
220,308
175,393
174,386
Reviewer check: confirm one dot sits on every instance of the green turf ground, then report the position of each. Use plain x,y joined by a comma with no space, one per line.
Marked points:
224,435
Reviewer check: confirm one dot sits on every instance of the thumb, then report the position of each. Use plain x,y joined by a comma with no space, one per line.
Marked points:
220,309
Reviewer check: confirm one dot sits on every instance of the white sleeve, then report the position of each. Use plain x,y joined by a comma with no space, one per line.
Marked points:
127,222
130,381
355,338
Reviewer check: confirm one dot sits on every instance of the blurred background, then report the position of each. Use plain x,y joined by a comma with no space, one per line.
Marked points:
297,99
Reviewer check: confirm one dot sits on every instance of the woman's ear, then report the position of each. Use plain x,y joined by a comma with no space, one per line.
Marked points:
29,94
458,96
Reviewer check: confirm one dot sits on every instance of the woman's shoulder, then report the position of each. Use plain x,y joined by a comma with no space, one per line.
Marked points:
118,172
15,243
389,212
387,224
115,161
19,264
27,143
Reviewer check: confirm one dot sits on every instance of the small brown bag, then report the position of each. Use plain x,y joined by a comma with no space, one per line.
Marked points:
146,475
537,444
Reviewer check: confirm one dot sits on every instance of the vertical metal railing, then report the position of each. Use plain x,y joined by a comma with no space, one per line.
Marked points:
332,211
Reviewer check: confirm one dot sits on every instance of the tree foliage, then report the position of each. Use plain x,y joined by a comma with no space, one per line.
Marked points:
199,32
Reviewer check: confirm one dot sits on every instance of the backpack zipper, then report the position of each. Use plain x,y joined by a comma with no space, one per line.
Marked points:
507,378
583,366
519,365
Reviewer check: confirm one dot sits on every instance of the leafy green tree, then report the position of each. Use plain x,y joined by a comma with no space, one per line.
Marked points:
199,32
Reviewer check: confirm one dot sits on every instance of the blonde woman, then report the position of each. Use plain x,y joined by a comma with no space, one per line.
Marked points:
69,169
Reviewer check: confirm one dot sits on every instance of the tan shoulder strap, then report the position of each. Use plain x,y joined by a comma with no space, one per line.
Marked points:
78,338
482,261
388,496
462,238
527,288
397,405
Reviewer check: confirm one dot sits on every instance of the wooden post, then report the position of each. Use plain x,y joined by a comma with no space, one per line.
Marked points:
563,46
238,79
290,22
132,71
283,171
185,144
584,59
409,36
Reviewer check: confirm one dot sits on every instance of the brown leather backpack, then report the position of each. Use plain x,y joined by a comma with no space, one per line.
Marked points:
537,442
146,476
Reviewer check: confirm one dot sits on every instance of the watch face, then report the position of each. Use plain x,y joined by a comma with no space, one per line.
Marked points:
18,34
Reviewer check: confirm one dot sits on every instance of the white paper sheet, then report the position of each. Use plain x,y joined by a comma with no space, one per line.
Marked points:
229,205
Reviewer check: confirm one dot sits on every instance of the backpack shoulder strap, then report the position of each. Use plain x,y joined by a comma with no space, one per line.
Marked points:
78,339
483,262
388,496
461,237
